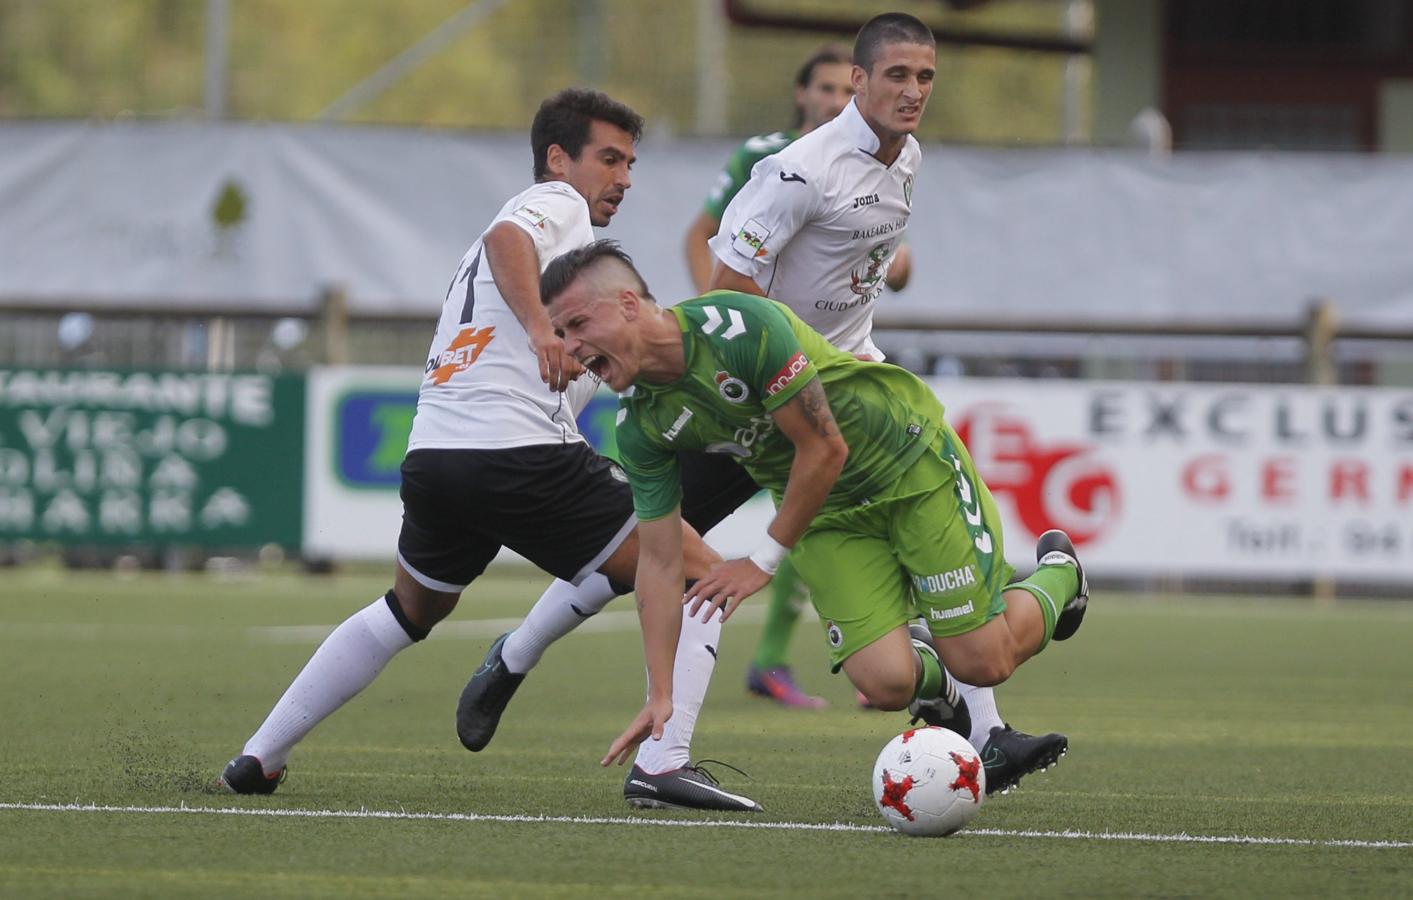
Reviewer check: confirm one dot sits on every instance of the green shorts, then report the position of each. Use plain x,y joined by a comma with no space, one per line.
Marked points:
930,546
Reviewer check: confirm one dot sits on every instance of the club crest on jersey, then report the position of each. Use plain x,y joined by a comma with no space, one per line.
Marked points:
864,282
460,353
908,191
836,637
532,215
750,240
787,373
733,390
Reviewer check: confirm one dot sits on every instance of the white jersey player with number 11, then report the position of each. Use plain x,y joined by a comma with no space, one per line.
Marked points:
495,458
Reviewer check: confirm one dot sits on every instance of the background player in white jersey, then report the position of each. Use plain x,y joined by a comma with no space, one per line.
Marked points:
817,228
494,457
823,87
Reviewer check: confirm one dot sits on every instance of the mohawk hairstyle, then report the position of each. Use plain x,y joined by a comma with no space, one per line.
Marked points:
566,267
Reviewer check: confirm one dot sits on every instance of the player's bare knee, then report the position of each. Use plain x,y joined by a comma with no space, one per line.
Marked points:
418,606
891,691
986,671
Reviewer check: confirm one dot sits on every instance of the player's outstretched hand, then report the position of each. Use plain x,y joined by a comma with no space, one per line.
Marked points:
557,367
726,584
647,723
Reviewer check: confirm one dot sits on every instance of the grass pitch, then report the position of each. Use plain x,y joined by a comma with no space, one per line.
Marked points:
1282,725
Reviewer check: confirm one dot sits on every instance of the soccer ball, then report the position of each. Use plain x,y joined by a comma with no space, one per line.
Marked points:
928,782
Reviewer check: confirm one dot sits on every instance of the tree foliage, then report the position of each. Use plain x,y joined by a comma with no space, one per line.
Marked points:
289,60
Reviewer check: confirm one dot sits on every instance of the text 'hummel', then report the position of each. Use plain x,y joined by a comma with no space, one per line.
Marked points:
678,424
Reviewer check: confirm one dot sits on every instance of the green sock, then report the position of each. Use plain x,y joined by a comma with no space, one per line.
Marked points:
787,592
929,676
1052,587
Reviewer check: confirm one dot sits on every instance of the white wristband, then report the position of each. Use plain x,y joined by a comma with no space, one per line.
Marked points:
769,555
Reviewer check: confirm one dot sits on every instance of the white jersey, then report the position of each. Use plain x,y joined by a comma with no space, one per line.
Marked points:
481,387
817,225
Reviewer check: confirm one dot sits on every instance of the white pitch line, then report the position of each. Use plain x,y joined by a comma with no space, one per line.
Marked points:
402,815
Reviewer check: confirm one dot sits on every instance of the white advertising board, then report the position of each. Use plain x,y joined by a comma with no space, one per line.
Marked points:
1285,481
1149,478
357,421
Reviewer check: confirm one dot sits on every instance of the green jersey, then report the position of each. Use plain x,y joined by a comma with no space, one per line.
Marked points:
746,356
738,168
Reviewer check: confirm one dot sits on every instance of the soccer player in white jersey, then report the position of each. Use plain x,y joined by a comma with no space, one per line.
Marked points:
823,87
817,228
495,457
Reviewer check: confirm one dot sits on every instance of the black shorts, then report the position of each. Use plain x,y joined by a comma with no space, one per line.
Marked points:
561,506
714,486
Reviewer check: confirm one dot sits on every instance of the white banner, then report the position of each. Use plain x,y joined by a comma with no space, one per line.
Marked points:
357,420
1198,479
258,217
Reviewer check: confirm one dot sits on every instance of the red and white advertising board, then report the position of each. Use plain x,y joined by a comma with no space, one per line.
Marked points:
1287,481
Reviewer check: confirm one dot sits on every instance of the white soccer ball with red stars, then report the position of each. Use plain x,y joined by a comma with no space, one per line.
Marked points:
929,782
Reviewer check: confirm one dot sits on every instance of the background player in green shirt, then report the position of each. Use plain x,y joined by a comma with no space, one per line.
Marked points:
875,494
822,90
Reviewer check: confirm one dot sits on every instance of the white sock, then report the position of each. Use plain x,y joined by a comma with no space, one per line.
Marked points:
981,703
691,675
347,662
560,609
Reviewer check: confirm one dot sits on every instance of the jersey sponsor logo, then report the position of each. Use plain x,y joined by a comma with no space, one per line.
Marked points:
865,280
733,390
792,176
787,373
883,228
678,424
744,438
463,350
946,582
714,320
750,240
842,305
867,200
730,448
531,215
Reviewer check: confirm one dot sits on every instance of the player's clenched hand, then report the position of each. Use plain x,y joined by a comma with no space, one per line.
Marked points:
726,584
647,723
557,367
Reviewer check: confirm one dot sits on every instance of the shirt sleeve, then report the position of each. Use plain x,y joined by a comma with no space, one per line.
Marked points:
764,216
555,217
652,470
756,337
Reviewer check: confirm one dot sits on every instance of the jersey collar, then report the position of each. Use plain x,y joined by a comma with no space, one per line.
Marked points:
852,123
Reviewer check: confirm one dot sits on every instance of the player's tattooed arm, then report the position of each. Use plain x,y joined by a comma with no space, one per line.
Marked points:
820,454
814,406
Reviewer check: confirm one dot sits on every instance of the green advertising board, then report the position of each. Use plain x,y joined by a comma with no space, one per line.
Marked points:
151,458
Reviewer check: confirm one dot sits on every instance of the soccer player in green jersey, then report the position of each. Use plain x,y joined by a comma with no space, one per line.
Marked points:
876,496
823,87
